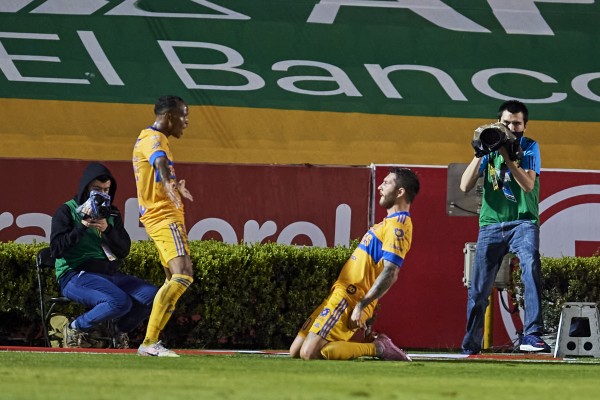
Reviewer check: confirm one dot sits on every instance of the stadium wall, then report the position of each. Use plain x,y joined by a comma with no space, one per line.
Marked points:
326,206
316,82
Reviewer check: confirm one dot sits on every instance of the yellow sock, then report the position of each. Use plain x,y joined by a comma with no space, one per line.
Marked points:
164,304
166,318
184,283
347,350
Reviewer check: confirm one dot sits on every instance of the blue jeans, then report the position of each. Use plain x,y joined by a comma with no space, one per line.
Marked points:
125,298
493,243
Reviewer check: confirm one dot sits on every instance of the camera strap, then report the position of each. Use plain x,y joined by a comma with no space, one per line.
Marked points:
500,178
109,254
493,174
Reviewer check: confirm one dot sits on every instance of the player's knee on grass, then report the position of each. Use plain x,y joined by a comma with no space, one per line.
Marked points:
296,346
311,351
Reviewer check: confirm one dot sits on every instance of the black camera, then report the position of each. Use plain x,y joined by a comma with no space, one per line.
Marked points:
490,137
99,205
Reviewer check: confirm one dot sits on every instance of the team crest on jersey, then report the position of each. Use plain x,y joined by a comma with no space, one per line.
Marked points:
399,233
351,289
325,312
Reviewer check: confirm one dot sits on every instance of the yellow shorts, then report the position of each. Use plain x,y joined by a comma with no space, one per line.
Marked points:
171,241
330,319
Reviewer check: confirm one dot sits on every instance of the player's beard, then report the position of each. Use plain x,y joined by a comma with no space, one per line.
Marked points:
387,200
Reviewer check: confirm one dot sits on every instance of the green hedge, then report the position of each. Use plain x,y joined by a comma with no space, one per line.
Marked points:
568,279
244,296
247,296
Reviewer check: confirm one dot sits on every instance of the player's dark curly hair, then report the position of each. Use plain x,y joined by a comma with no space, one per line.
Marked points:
407,179
167,103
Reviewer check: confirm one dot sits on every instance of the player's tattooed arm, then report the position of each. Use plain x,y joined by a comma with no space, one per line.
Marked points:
382,284
164,172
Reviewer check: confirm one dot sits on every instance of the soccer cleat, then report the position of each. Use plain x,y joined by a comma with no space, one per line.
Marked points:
534,343
74,338
155,350
387,350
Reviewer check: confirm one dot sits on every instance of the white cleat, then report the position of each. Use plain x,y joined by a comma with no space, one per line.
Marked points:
155,350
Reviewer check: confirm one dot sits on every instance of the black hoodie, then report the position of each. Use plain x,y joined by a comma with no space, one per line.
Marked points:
66,232
92,172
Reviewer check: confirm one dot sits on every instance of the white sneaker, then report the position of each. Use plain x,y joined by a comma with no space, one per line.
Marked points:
155,350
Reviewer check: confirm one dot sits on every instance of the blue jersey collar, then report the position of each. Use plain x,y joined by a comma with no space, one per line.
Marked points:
399,213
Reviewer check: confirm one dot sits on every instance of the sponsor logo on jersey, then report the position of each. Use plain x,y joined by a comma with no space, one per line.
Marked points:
325,312
351,289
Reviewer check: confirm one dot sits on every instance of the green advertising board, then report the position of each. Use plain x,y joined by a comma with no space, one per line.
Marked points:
315,81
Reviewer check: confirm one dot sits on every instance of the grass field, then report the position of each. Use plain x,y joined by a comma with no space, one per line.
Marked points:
78,376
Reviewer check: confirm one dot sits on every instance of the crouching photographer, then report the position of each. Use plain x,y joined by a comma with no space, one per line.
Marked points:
89,242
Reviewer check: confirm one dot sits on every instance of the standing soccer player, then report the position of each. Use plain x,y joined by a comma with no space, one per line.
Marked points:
161,211
368,274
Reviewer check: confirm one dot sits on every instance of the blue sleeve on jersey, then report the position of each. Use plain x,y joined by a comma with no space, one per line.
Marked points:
531,155
155,155
483,165
393,258
373,249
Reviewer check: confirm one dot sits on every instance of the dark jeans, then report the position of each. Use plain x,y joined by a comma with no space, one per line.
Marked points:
118,296
523,239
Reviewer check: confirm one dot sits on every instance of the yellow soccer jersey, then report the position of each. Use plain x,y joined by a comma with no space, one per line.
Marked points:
156,209
388,240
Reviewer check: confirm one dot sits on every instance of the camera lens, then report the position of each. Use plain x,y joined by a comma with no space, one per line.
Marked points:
490,137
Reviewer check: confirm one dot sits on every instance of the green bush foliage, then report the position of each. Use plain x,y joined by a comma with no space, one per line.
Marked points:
565,279
247,296
20,321
18,279
243,296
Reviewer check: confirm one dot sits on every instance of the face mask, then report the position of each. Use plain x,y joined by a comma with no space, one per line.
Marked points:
519,135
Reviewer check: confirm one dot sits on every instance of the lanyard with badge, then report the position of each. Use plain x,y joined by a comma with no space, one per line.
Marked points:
501,178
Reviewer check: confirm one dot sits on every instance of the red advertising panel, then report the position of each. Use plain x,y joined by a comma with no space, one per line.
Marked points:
325,206
308,205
